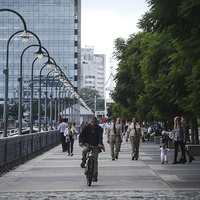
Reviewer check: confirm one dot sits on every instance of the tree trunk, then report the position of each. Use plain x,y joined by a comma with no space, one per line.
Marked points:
194,131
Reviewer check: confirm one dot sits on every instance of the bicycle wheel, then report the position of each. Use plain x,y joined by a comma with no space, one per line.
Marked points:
89,173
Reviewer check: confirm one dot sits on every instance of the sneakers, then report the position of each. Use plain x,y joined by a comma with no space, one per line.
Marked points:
116,156
191,158
72,154
94,179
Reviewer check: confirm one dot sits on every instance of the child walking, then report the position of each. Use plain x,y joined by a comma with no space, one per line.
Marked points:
163,153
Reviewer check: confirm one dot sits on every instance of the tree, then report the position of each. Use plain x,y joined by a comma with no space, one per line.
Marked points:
180,19
89,96
158,71
14,111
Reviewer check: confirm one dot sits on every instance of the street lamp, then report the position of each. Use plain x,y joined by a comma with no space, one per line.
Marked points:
46,98
56,73
40,53
48,63
6,70
39,98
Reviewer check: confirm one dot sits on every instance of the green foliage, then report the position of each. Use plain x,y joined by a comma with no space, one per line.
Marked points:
159,68
88,96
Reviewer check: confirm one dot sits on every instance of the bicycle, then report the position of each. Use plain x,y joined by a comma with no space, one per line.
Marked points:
89,165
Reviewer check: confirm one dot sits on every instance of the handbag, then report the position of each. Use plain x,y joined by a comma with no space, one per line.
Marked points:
66,139
75,135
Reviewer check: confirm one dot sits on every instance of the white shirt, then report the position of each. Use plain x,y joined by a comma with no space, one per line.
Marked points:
131,130
67,131
62,126
110,130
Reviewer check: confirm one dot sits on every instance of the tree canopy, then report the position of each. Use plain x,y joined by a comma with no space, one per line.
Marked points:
158,72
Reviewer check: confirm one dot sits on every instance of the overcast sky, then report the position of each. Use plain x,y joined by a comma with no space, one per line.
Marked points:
105,20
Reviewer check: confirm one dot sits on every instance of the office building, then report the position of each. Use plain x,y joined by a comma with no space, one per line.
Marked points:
93,70
57,23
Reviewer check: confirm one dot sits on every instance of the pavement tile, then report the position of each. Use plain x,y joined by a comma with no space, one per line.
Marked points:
54,175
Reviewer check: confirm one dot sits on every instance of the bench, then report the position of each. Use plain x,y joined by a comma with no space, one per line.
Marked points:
194,149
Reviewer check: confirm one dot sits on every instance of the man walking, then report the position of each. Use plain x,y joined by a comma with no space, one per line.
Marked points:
186,138
114,138
134,134
61,127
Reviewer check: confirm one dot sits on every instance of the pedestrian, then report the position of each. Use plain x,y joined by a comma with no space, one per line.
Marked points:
165,137
69,138
163,153
186,138
177,137
157,128
143,132
91,135
133,133
61,128
122,127
114,137
149,131
75,131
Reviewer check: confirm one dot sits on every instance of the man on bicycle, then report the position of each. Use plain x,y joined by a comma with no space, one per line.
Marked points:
91,135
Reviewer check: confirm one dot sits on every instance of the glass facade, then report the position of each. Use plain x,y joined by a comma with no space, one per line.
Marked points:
57,25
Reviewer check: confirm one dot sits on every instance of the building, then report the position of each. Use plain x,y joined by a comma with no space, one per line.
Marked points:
57,23
93,70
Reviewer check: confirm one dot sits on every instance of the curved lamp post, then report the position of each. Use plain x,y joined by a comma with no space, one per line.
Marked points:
39,98
32,87
51,96
40,54
46,98
25,38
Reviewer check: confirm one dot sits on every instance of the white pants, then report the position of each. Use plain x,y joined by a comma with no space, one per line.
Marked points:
163,157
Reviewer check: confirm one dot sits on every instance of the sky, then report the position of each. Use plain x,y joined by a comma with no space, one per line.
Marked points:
103,21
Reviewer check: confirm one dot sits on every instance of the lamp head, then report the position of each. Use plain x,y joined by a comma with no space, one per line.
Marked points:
40,53
48,63
25,36
56,72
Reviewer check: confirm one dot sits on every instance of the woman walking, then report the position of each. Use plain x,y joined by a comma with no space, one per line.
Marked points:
177,138
69,135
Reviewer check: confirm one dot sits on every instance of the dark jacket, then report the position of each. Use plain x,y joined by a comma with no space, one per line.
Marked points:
92,136
186,135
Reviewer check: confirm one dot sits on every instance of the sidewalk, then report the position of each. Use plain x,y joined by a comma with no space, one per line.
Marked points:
54,175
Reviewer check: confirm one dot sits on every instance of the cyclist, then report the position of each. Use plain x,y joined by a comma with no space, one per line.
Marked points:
91,135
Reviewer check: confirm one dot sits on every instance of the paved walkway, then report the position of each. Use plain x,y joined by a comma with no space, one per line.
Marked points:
54,175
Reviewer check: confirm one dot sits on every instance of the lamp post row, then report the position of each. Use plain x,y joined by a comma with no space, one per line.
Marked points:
25,36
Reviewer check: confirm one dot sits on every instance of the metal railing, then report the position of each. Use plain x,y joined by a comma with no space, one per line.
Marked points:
17,150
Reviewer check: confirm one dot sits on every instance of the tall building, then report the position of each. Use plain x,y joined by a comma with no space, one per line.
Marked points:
93,70
57,23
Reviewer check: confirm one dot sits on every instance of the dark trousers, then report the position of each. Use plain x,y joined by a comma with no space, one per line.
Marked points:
176,146
62,140
186,152
70,144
